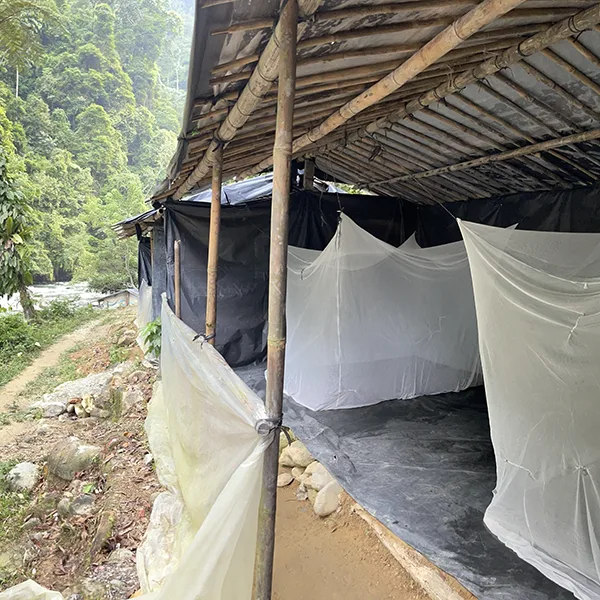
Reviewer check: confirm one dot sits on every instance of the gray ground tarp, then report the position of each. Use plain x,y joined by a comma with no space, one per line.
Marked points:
424,468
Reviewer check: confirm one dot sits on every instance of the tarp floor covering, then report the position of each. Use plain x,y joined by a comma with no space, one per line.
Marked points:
425,469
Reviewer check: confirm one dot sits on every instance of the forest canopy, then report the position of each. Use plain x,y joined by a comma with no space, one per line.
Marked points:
89,117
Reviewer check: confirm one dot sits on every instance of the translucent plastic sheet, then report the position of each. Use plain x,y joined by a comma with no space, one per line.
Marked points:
144,310
201,426
369,322
538,308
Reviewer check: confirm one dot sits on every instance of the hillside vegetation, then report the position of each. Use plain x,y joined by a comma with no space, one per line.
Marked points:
89,118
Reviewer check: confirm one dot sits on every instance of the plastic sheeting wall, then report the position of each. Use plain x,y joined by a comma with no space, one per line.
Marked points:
144,310
369,322
537,298
159,269
244,258
144,261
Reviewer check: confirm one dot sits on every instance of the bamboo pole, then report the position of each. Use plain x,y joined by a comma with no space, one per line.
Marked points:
586,136
213,246
258,85
177,268
276,338
564,29
450,38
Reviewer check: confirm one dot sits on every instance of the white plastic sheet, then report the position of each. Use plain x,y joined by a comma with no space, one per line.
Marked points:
201,540
144,310
369,322
538,307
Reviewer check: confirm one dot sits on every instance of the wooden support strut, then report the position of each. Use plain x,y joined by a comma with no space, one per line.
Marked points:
276,338
463,28
213,246
586,136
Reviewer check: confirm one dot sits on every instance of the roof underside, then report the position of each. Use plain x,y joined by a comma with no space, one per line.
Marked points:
453,112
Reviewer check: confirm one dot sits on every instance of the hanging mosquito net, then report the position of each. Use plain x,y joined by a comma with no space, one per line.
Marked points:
369,322
538,309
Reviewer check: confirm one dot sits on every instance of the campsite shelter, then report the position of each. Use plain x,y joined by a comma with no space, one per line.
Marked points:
488,109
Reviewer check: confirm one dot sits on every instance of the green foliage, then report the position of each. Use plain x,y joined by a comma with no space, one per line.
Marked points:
151,335
22,341
90,133
117,354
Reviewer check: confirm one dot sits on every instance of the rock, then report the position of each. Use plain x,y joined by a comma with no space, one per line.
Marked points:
127,338
297,472
32,523
23,477
50,408
299,454
124,367
103,533
285,460
81,412
284,479
130,399
82,506
312,495
64,506
62,418
71,409
283,442
327,500
137,376
100,413
11,560
71,456
43,428
121,555
87,403
301,493
313,465
148,459
319,478
91,589
96,385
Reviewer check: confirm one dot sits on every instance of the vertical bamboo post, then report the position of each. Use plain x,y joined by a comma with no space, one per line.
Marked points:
177,266
213,246
308,181
282,154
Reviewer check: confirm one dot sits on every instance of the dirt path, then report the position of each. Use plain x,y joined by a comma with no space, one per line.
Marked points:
338,558
48,358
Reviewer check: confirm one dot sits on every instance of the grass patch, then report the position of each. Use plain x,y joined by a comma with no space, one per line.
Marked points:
13,507
21,342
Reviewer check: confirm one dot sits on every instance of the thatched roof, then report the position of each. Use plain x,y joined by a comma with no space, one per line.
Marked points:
468,126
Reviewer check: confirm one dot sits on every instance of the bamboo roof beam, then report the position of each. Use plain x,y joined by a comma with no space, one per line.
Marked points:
589,83
564,29
594,134
483,14
258,85
585,52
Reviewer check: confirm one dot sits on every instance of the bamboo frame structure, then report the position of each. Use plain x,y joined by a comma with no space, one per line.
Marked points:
213,246
177,276
276,338
308,179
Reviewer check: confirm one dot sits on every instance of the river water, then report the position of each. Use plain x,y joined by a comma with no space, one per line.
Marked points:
43,294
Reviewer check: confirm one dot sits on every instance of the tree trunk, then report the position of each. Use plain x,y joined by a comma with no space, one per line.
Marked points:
26,302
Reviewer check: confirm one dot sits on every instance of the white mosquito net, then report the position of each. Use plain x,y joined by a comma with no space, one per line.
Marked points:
369,322
538,309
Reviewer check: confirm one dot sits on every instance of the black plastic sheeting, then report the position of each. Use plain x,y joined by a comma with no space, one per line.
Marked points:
425,469
144,261
576,210
244,257
159,270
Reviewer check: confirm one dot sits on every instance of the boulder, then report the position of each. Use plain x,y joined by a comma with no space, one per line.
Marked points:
284,479
121,555
137,376
285,460
23,477
283,442
313,465
71,409
64,505
71,456
127,338
299,454
328,499
319,478
130,399
96,385
81,412
82,506
297,472
50,408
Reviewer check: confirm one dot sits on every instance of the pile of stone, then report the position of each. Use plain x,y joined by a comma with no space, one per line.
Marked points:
316,484
106,395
